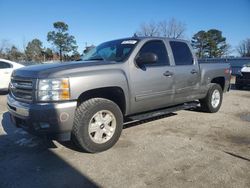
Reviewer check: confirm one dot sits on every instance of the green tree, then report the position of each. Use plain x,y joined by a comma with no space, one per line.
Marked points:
210,44
61,39
34,51
217,45
48,53
75,56
199,42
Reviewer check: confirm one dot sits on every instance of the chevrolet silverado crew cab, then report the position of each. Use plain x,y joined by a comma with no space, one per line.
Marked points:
88,101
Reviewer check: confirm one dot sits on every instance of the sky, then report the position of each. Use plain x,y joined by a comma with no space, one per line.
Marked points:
96,21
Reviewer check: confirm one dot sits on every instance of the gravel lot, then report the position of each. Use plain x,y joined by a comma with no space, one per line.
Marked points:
185,149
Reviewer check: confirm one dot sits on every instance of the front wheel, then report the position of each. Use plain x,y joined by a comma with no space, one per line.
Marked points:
98,125
212,102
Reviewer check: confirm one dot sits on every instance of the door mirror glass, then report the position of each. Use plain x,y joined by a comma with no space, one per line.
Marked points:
146,58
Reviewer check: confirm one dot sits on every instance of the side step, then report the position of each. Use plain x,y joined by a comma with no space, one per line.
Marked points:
152,114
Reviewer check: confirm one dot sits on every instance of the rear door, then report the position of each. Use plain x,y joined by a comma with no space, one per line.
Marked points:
152,84
5,74
187,74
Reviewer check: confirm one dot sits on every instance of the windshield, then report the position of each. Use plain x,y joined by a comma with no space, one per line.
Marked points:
117,50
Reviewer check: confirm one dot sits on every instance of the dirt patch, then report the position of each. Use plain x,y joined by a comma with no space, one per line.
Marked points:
124,144
245,117
245,95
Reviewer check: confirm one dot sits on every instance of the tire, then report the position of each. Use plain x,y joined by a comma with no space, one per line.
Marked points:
210,105
94,114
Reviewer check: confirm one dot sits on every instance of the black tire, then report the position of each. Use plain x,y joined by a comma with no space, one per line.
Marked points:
206,103
83,115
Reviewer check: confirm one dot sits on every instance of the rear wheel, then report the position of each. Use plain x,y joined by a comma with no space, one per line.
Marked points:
97,125
212,102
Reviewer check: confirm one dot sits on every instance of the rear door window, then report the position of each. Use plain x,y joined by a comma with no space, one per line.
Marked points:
4,65
182,53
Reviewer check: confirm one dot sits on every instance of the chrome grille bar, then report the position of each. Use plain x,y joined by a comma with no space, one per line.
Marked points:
22,89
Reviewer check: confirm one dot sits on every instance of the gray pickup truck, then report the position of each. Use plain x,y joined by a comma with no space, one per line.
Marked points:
88,101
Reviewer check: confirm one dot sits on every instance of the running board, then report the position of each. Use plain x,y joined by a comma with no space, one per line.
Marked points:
156,113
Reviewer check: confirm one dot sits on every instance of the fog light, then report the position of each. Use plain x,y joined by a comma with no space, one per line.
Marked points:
44,125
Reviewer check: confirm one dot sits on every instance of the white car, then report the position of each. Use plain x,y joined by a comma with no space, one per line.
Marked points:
6,69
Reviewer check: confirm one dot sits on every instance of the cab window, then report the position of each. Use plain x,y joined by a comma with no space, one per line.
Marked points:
157,47
182,53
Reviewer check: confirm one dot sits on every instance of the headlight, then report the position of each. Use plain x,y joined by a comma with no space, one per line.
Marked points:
53,89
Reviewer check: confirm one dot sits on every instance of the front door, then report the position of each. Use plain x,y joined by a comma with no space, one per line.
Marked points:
152,84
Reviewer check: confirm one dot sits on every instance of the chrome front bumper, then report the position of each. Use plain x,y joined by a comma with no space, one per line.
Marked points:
17,108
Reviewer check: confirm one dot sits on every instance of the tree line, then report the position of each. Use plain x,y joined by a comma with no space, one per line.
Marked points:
65,47
207,44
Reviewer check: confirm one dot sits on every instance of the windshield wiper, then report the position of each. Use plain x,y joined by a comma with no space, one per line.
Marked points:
99,58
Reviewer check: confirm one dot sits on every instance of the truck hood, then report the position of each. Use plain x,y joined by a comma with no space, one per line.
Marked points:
53,70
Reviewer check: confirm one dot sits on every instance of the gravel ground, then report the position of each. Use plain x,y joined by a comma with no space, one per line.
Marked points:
184,149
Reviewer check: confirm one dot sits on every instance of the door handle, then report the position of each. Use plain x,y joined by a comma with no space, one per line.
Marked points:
193,71
168,74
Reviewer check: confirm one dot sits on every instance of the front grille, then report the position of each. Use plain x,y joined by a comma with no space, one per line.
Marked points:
22,89
246,75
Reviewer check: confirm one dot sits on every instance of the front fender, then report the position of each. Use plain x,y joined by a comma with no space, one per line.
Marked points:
99,79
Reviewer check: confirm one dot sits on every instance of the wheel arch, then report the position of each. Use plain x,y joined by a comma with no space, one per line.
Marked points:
220,81
115,94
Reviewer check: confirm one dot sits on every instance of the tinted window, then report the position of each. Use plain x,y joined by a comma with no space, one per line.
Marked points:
158,48
182,53
4,65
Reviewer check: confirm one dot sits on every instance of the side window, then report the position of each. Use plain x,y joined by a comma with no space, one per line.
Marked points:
4,65
157,47
182,53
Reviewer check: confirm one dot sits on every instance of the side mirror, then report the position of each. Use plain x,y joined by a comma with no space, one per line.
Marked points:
146,58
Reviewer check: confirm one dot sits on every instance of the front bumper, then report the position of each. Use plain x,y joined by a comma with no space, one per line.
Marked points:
55,120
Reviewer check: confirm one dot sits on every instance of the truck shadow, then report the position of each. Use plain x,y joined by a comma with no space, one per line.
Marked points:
128,123
27,162
10,129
